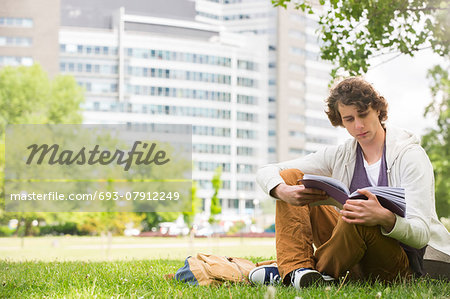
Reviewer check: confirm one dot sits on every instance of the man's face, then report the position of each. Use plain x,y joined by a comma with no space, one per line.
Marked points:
362,125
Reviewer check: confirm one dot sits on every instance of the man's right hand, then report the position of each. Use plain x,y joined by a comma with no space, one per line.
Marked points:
297,195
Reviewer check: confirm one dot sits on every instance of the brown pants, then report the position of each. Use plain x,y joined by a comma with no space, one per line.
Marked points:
362,250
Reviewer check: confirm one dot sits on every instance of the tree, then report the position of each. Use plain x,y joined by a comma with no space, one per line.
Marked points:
215,201
436,141
27,95
195,203
152,219
354,31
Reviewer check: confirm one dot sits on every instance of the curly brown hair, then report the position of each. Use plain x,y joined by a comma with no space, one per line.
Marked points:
358,92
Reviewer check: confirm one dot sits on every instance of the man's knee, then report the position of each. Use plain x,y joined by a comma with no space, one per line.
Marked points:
291,176
362,231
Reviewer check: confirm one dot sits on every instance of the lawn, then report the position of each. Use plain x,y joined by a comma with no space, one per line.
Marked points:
72,248
86,267
144,279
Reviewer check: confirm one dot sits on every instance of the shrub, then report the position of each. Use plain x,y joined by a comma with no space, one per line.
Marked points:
5,231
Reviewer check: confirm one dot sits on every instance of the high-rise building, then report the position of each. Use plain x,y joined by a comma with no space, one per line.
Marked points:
250,17
138,68
298,79
302,82
29,33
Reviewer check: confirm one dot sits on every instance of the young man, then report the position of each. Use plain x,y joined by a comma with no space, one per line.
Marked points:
363,238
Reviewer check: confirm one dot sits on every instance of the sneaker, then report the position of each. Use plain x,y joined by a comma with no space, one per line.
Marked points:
304,277
265,275
328,278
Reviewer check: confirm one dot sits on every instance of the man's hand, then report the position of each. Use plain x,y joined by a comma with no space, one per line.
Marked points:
297,195
367,212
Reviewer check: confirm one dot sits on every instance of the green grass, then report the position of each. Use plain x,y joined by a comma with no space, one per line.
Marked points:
83,267
144,279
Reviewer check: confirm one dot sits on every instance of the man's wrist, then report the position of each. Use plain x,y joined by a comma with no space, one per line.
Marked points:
389,221
273,192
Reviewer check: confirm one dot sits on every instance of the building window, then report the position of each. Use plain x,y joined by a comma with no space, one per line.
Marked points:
206,184
249,204
185,110
233,203
179,75
296,134
246,134
246,168
245,185
16,22
181,93
247,65
15,60
246,82
244,116
179,56
247,100
211,166
211,149
15,41
245,151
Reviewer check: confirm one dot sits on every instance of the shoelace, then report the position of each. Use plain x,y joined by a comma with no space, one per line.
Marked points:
274,278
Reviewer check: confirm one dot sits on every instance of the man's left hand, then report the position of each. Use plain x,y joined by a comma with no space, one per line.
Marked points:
367,212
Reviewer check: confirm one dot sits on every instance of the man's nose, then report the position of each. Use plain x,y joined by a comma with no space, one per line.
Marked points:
359,123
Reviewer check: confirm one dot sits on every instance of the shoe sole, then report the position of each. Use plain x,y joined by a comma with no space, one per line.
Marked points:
310,278
250,275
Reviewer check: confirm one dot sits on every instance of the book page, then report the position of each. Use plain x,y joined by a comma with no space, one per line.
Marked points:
335,190
392,198
330,181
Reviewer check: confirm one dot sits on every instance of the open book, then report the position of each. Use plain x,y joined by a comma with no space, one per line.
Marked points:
392,198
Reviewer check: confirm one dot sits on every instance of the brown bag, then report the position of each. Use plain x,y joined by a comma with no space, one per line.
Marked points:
208,269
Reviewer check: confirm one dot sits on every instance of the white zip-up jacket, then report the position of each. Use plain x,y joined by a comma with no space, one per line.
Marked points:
408,166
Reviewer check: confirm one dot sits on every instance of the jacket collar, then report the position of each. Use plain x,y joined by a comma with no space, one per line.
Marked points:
397,141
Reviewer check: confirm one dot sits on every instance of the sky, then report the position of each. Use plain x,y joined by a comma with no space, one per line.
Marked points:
404,85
